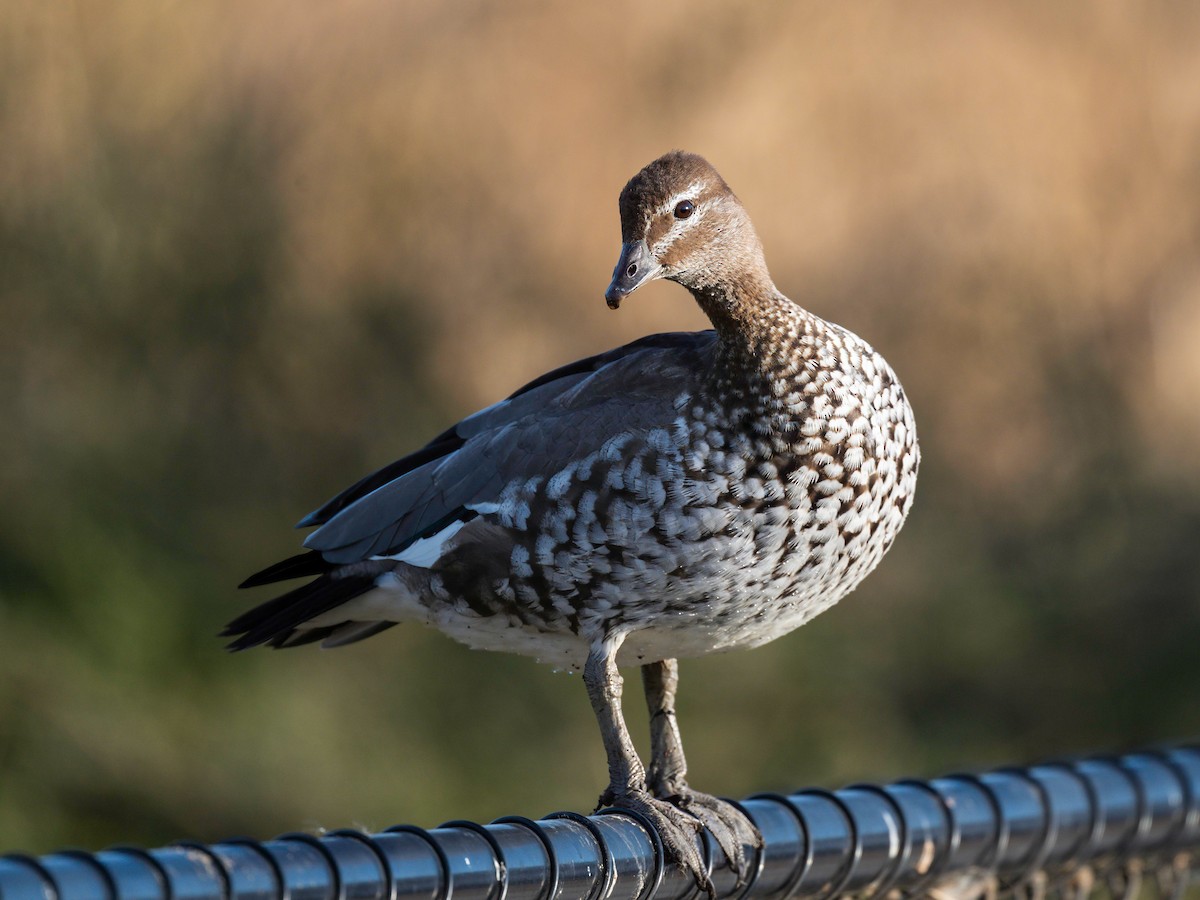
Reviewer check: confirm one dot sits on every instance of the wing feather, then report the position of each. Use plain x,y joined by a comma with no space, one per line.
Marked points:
541,431
538,430
526,399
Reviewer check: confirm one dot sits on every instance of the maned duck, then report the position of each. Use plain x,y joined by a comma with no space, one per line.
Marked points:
684,494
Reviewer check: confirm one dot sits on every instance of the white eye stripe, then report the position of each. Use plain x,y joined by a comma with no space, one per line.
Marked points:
677,228
691,192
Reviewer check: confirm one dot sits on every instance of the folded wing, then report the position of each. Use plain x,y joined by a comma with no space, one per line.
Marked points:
562,416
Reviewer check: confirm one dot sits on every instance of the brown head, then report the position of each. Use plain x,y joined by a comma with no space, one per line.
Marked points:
680,221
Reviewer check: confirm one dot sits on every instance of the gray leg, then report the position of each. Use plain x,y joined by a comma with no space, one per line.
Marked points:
667,779
604,686
627,777
668,768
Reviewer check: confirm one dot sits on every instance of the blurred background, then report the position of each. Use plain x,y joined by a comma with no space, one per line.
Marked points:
251,250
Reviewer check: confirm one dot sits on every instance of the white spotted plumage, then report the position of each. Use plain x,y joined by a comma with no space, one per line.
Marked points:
693,493
682,495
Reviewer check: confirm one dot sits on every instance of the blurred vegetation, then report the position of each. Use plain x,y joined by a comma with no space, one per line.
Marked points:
249,251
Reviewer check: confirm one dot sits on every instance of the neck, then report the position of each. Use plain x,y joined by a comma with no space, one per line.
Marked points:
764,339
749,313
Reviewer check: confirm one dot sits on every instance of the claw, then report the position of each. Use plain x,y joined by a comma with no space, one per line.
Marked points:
681,817
677,829
729,826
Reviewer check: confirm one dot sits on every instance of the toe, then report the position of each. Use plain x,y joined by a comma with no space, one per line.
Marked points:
676,828
730,827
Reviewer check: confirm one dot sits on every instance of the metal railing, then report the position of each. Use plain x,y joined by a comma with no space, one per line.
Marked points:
1068,825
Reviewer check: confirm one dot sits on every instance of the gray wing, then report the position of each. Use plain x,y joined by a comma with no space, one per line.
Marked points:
561,417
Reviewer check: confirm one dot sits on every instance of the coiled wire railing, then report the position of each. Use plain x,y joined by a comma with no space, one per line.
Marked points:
1113,824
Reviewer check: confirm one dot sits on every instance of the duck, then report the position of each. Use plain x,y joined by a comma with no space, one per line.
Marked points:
684,494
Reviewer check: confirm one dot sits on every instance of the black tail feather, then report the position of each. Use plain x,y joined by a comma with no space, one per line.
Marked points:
286,639
301,566
368,630
276,621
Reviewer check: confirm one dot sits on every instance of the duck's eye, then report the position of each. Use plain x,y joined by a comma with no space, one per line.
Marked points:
684,208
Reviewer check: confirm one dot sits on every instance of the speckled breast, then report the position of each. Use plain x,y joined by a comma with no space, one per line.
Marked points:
735,522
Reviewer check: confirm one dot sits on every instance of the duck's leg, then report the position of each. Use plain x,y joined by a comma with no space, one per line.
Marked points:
667,778
626,774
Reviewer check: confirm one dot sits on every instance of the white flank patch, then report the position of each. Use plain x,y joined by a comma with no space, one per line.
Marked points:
424,552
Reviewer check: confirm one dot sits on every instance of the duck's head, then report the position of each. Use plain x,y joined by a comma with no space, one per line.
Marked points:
680,221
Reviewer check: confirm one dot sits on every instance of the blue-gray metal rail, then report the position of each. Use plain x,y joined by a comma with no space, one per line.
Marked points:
1017,826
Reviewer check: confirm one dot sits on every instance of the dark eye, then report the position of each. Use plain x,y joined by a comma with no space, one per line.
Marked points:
684,208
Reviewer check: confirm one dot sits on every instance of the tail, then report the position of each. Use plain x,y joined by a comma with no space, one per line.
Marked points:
281,622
